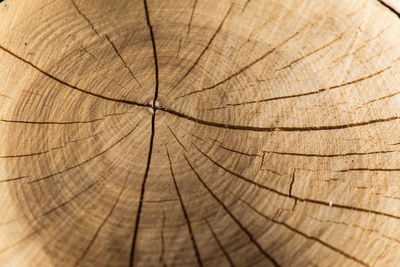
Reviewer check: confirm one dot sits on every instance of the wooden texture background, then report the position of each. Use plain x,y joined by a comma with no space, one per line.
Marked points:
201,132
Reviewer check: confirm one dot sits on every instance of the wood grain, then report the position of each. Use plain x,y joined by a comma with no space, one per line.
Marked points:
209,133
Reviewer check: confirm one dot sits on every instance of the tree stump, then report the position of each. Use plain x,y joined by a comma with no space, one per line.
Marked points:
210,133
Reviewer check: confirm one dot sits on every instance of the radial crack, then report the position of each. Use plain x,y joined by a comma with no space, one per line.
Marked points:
331,155
52,122
123,101
395,11
150,152
278,128
61,122
13,179
371,169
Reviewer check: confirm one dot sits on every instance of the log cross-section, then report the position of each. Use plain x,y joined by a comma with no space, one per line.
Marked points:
199,133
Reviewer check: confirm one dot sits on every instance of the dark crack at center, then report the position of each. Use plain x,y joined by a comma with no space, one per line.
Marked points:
153,119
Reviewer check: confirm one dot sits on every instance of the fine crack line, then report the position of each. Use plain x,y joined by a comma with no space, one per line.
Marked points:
70,200
87,160
191,18
195,136
236,151
85,17
104,66
305,235
176,138
26,237
6,96
245,5
233,217
123,61
153,119
108,39
65,143
304,94
161,200
12,221
188,223
221,247
162,250
61,122
312,52
297,198
204,50
291,183
91,242
242,69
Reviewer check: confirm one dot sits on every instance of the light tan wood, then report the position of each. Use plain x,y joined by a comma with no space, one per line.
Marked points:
210,133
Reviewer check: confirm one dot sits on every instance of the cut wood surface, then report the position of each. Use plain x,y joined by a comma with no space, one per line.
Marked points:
201,132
